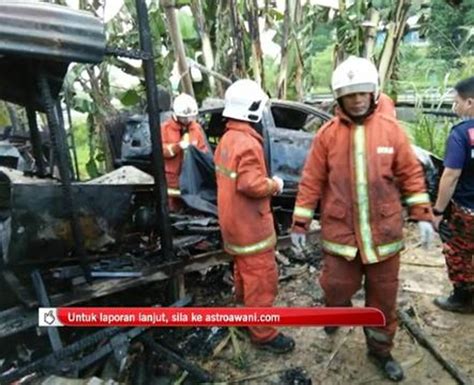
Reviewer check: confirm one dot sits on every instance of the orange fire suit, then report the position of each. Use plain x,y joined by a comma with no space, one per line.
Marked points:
243,199
385,105
172,133
358,174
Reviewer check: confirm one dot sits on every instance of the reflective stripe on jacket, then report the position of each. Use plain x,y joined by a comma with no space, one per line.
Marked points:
359,173
171,134
244,191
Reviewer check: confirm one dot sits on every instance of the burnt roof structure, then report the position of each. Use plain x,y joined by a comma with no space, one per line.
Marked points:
47,36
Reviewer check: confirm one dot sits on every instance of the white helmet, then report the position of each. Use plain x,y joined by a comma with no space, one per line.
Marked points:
245,100
185,106
353,75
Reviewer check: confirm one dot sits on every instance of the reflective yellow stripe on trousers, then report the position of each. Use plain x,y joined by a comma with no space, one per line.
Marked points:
363,194
350,252
174,192
252,248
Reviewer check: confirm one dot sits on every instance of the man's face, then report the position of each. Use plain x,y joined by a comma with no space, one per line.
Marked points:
463,107
186,120
356,104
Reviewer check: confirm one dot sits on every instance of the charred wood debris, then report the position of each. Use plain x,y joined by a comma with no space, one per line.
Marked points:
135,355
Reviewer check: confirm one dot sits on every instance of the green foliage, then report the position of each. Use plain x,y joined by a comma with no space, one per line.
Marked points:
321,66
420,72
349,30
321,39
417,70
430,133
451,30
81,139
186,26
4,117
130,97
82,102
272,69
182,3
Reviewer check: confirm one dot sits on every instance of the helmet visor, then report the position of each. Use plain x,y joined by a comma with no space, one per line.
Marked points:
354,89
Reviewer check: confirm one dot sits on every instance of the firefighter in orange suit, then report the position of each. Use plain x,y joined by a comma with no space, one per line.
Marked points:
177,133
385,105
359,167
244,192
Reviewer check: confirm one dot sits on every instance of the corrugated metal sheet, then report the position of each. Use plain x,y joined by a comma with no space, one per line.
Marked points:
48,36
51,32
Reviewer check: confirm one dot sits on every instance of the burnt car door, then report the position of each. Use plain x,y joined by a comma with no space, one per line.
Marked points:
288,139
288,134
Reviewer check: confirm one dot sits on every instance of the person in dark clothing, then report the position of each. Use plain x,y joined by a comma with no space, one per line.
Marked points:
457,186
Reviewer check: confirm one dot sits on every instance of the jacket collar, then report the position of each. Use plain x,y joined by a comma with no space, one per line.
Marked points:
236,125
174,124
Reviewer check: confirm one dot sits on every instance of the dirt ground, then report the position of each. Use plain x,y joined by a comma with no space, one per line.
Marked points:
317,358
341,359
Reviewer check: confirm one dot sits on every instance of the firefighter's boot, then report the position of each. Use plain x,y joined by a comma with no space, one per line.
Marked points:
280,344
461,300
330,330
389,366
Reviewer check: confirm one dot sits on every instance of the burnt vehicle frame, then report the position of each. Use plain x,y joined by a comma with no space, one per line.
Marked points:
287,128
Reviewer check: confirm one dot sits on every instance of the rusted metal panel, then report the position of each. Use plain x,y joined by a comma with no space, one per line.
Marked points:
37,37
50,32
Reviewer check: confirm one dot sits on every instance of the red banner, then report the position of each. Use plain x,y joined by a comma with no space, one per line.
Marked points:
192,317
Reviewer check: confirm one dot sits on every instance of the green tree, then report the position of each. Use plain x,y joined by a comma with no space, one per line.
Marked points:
451,30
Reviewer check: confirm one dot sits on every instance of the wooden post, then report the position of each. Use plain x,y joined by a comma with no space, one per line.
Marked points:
178,46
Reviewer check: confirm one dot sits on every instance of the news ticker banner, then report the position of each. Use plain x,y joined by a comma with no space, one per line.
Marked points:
209,316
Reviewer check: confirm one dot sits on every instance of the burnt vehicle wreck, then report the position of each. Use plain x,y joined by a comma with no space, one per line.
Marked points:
288,129
62,241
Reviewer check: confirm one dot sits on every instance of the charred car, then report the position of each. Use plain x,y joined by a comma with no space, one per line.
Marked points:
288,129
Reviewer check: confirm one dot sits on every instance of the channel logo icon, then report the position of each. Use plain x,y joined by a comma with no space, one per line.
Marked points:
48,316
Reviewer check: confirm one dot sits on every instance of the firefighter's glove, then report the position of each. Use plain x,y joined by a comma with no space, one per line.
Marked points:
280,183
426,233
298,241
184,144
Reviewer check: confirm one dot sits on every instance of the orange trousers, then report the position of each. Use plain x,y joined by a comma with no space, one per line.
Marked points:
175,204
256,285
341,279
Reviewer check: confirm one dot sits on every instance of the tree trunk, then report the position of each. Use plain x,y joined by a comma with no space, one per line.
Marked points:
339,53
101,96
239,53
196,7
221,57
178,46
392,42
298,19
268,20
371,33
282,78
257,53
